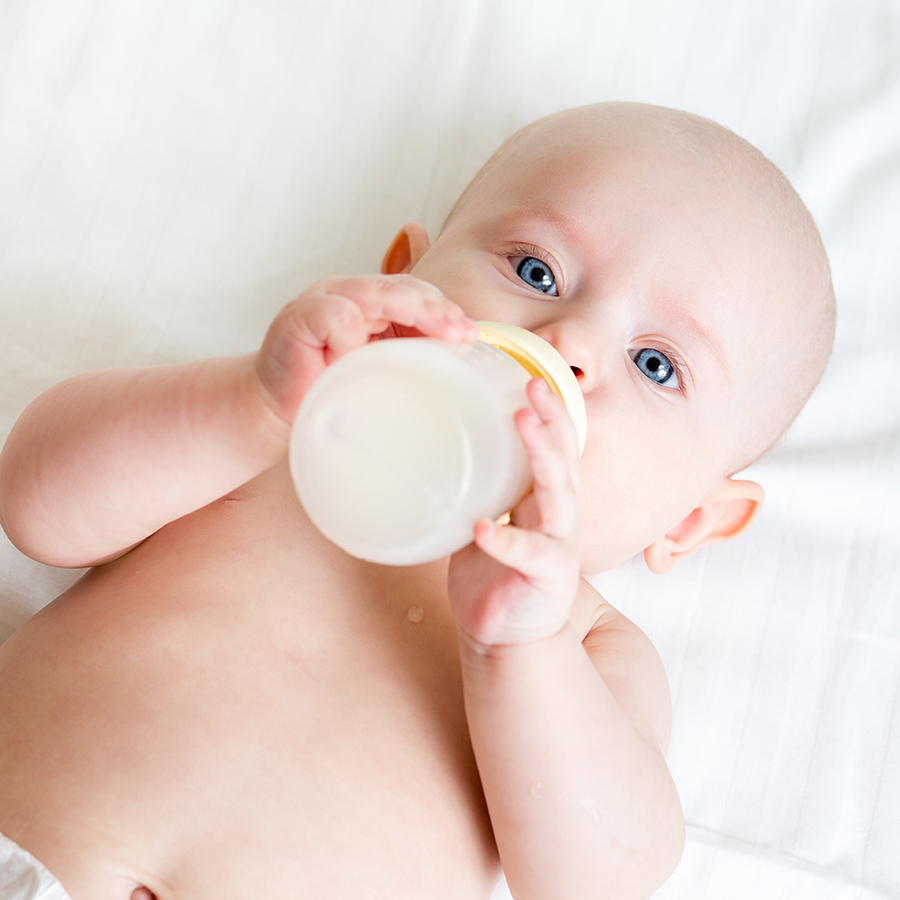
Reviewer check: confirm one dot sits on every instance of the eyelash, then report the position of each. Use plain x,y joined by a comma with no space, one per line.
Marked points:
517,251
677,362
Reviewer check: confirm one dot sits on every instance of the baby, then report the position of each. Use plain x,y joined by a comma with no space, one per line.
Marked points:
229,706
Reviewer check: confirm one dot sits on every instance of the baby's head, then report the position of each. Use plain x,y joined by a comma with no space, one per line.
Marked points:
681,277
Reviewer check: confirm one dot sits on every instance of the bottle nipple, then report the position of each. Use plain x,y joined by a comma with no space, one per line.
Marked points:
542,360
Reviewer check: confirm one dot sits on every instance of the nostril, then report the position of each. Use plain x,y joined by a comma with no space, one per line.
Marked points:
577,372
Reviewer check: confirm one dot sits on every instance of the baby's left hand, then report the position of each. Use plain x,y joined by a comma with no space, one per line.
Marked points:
516,582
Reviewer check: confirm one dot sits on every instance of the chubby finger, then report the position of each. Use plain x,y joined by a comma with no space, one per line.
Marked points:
554,491
404,300
553,413
533,554
332,321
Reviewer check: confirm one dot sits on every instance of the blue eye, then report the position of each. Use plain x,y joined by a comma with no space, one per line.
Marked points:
536,274
657,367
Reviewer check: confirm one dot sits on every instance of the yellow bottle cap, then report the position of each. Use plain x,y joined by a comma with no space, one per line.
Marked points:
542,360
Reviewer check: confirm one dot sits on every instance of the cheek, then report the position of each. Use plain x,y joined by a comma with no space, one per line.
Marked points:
621,514
469,281
450,276
636,484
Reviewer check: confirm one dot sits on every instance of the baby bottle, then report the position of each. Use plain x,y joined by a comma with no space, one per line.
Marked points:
401,445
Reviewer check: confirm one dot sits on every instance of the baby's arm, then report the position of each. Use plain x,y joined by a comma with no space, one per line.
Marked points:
103,460
569,736
571,760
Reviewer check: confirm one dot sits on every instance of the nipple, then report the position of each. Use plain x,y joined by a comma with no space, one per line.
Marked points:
415,614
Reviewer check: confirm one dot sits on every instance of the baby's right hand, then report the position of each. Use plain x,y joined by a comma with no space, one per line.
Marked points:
336,315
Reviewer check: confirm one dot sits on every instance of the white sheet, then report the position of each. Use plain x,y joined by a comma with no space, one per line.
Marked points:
171,173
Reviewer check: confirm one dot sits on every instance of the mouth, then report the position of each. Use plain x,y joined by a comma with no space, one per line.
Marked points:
577,372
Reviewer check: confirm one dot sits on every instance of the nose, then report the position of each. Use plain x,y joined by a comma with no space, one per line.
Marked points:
571,340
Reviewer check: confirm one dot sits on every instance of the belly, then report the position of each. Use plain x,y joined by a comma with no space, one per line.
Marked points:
236,709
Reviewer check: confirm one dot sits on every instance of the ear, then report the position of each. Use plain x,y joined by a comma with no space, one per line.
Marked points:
406,249
725,514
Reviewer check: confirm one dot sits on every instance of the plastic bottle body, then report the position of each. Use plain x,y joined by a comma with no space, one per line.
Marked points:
400,446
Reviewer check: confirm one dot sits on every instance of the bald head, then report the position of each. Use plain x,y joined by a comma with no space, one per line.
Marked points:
787,302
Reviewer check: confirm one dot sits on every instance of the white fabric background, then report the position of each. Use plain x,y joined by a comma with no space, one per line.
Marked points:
172,172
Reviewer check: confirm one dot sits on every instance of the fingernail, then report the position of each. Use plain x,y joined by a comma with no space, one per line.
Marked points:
488,528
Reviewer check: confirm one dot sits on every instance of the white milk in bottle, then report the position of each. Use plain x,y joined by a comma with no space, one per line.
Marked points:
400,446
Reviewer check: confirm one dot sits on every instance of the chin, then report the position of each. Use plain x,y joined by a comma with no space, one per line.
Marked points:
597,562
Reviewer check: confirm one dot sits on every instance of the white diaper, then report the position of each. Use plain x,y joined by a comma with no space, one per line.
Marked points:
22,877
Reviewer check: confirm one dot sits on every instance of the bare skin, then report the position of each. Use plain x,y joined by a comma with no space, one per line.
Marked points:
189,691
229,706
291,684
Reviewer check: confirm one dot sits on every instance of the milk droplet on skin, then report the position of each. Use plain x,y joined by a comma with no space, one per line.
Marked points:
415,614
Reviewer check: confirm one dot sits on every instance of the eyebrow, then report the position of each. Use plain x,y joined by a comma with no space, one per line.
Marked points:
683,319
565,225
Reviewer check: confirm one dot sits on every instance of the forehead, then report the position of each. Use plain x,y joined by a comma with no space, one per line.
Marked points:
642,210
591,186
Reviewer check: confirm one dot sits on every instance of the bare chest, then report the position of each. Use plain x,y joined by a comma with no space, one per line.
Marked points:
243,711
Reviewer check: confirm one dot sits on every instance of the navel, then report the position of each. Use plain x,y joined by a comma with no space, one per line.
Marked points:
142,893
